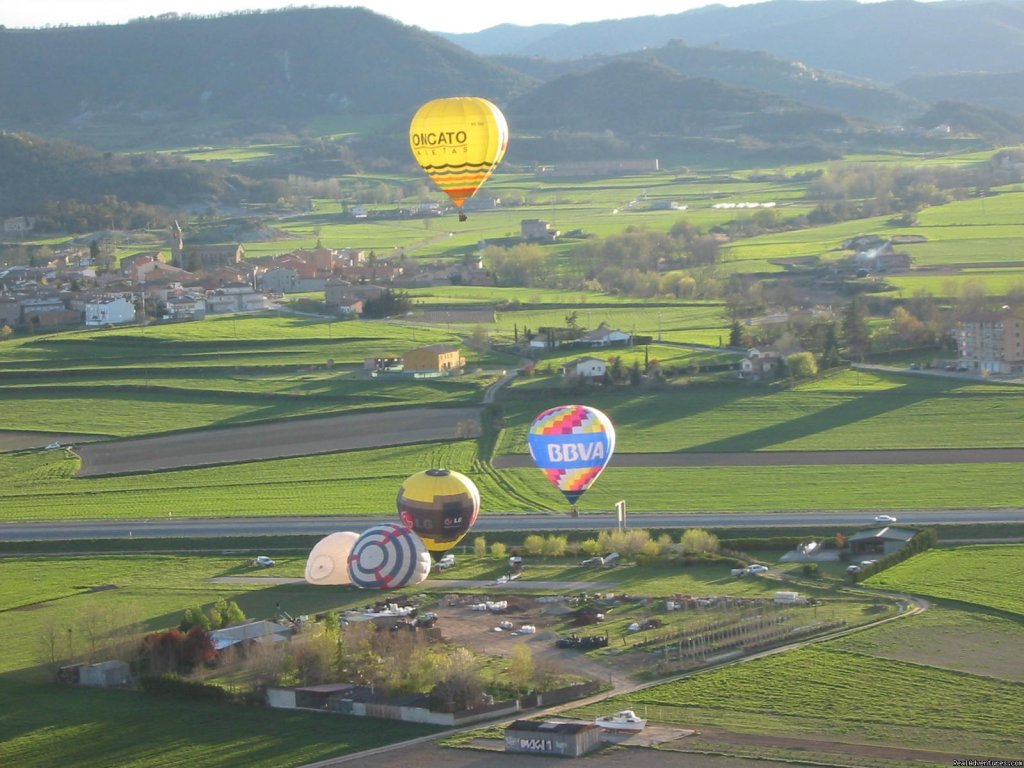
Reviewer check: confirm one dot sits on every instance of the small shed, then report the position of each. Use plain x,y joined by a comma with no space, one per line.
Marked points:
552,738
589,368
880,541
105,674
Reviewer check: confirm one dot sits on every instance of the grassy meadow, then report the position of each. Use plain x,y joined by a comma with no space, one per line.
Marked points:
848,410
93,728
841,696
218,372
985,575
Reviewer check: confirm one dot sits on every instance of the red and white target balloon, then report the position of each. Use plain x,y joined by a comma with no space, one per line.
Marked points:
388,556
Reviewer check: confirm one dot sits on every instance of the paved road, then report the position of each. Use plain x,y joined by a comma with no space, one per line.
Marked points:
320,526
279,439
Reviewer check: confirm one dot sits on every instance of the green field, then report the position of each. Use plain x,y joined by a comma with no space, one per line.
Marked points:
831,694
219,372
963,640
107,729
849,410
989,576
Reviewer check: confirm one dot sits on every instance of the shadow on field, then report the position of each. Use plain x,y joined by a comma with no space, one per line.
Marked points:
865,407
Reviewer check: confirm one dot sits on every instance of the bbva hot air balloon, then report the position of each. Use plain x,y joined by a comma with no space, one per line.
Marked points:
458,141
440,505
571,444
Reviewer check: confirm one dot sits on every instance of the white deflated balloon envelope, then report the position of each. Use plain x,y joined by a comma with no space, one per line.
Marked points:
327,563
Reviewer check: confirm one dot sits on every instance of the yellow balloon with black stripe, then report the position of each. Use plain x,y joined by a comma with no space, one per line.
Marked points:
459,141
440,505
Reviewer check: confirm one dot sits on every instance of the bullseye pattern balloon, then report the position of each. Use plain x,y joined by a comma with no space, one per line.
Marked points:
327,563
571,444
440,505
458,141
388,556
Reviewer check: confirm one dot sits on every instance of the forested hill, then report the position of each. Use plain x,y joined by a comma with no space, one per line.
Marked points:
633,98
748,69
884,41
280,65
75,188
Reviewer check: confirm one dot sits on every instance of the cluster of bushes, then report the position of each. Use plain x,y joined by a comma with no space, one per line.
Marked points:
693,545
221,614
173,685
175,652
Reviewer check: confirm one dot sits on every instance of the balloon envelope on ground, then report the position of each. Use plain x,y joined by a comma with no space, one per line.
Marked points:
458,141
327,563
388,556
440,505
571,444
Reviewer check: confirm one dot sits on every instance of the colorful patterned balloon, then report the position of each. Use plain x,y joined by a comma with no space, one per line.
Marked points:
388,556
571,444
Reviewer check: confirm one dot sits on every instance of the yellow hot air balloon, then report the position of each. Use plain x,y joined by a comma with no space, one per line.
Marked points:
458,141
440,505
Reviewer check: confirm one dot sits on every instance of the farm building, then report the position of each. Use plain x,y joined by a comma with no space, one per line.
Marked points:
536,230
435,358
879,541
547,738
603,337
549,337
589,368
760,364
263,632
105,674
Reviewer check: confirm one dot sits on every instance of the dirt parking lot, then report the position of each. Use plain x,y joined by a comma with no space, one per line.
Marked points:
481,631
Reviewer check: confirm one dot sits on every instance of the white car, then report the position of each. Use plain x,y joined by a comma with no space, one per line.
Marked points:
757,568
264,562
885,519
